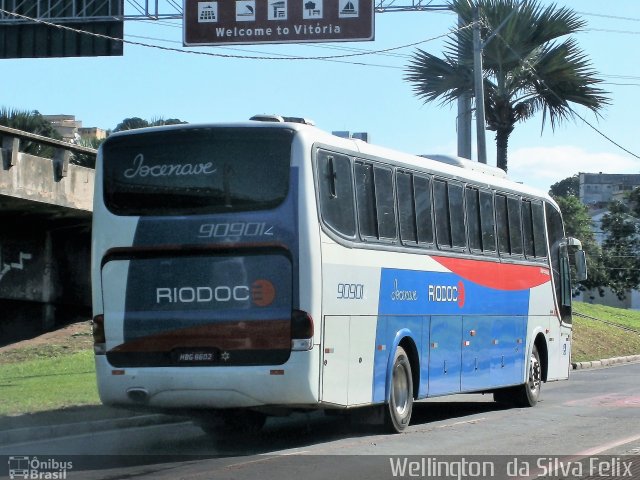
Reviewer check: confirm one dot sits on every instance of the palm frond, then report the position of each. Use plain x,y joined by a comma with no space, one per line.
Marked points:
435,78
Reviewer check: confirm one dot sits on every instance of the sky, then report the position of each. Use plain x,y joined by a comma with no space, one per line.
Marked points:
366,93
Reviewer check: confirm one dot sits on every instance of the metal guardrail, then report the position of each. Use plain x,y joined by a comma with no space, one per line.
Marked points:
10,148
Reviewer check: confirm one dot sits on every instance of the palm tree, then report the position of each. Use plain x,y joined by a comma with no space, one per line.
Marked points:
527,69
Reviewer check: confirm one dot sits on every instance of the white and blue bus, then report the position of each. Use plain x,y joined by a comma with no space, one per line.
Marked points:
267,266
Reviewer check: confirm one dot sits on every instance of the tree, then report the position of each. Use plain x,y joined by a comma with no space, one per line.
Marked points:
527,68
32,122
566,187
621,248
83,159
578,224
133,123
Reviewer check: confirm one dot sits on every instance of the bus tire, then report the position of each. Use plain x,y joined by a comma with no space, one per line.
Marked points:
527,394
398,409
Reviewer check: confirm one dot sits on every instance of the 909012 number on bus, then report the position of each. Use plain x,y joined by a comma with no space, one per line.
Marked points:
235,229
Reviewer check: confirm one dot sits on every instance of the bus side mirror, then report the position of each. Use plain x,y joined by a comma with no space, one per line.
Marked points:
581,265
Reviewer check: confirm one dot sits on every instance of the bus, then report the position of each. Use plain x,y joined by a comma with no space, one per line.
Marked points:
263,267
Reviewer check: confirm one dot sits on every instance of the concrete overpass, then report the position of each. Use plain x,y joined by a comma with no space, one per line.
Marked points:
45,236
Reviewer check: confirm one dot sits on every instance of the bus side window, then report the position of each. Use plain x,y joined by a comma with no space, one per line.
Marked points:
443,228
502,225
367,216
386,214
473,218
487,221
456,212
336,193
515,225
527,229
539,241
406,208
424,212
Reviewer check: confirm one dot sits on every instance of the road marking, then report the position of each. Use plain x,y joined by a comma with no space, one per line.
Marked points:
615,400
608,446
465,422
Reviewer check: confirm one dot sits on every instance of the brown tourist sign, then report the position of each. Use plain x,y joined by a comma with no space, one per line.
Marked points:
277,21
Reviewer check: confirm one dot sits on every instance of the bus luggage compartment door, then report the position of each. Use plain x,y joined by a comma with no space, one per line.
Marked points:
347,359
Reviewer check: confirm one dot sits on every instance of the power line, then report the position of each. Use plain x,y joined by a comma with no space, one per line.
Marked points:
222,55
629,32
279,54
613,17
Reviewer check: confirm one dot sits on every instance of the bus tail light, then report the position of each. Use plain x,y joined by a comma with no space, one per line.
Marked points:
301,331
99,340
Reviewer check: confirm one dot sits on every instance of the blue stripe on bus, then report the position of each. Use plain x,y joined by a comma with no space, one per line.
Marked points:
437,310
407,292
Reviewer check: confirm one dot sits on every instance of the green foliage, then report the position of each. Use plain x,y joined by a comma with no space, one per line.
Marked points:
621,248
137,122
131,124
86,160
32,122
566,187
577,224
527,68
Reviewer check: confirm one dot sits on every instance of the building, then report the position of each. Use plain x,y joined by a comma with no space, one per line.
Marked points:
598,189
71,129
92,132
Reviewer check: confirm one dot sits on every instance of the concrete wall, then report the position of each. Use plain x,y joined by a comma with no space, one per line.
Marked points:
45,240
35,179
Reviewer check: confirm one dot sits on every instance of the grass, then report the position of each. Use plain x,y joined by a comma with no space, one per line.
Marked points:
52,375
47,383
594,340
626,318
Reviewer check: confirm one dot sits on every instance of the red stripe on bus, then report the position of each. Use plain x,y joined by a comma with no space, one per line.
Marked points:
230,335
499,276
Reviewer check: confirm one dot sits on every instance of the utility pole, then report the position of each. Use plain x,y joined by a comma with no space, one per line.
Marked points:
479,87
464,110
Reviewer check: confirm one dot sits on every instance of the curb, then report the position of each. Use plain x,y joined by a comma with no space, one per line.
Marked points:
607,362
26,434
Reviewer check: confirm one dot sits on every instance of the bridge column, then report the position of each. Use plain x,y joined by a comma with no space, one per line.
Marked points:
48,309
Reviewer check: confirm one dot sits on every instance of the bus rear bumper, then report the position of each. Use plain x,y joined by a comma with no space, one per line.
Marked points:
294,383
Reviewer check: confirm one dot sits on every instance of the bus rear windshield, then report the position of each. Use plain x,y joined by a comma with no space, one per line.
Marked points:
196,171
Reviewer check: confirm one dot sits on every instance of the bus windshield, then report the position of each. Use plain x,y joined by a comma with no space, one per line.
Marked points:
197,170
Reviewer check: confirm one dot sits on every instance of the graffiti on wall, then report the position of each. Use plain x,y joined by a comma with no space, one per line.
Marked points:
6,267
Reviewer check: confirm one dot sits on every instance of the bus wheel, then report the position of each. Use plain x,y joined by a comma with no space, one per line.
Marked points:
530,392
400,406
527,394
233,422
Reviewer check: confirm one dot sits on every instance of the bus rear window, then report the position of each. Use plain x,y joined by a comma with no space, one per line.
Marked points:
197,170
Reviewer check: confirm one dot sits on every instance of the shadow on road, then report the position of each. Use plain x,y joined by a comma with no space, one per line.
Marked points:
295,432
302,430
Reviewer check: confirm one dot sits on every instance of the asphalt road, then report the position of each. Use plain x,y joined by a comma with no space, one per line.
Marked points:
595,413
